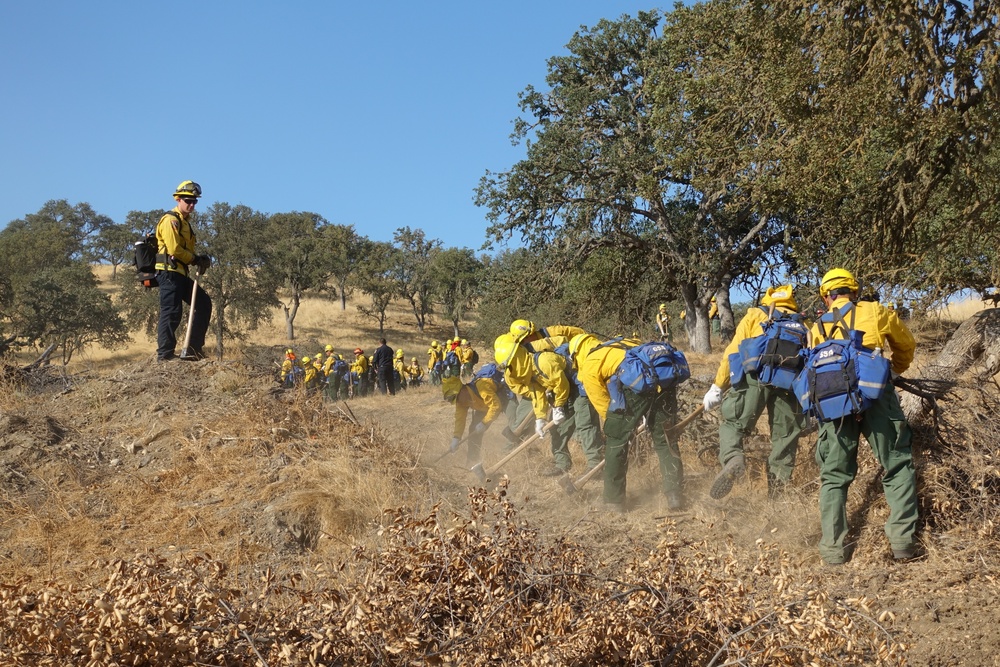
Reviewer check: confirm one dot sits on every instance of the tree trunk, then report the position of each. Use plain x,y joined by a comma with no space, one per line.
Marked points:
343,297
975,345
290,313
696,322
220,318
727,323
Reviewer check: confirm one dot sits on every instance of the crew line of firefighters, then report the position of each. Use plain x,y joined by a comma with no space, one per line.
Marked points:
337,377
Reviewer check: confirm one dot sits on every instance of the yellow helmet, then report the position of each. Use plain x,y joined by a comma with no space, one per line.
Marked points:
434,343
576,341
521,329
450,386
836,279
413,360
399,354
188,189
289,351
504,348
306,360
663,306
328,348
783,296
465,342
891,305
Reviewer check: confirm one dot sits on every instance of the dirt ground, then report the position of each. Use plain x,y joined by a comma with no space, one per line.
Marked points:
213,457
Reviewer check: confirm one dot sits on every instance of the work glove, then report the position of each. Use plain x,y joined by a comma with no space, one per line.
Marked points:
203,262
713,398
453,446
558,415
480,428
540,428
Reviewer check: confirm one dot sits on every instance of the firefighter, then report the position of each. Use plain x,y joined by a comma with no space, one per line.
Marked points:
596,366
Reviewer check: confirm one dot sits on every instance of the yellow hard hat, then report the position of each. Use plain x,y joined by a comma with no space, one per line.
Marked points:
450,386
289,351
891,305
434,343
836,279
465,342
713,299
399,354
328,348
783,295
504,348
663,306
576,341
306,360
413,360
521,329
188,189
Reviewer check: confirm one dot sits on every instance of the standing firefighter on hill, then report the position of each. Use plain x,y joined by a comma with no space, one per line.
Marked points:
882,423
754,390
175,260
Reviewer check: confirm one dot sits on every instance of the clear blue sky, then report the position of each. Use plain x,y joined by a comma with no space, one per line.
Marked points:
379,115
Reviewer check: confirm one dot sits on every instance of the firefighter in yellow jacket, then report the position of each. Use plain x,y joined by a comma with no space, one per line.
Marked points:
466,355
555,338
360,368
485,399
291,369
435,354
596,365
531,376
883,425
414,373
176,262
744,403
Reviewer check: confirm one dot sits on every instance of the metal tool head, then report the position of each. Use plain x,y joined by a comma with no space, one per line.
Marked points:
479,471
566,482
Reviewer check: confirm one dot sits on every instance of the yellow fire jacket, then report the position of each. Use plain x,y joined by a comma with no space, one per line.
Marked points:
434,355
174,238
594,367
480,396
531,375
880,326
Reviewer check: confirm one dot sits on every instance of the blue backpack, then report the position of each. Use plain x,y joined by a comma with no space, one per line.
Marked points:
493,372
650,366
451,366
778,355
841,377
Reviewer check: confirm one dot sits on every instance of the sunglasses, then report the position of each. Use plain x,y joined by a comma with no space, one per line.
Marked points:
190,200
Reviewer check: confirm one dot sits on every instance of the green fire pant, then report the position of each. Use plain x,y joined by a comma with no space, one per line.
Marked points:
588,430
888,434
660,411
742,407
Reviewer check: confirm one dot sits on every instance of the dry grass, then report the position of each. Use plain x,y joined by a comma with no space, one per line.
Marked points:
194,514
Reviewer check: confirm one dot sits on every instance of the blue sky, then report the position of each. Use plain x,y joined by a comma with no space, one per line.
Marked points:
380,115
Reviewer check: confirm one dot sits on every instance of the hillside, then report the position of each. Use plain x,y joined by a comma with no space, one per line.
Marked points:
182,513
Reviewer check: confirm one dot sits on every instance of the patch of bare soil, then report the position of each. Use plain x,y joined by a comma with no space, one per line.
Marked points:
211,463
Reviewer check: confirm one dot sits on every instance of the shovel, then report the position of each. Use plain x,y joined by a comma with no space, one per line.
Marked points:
484,475
187,353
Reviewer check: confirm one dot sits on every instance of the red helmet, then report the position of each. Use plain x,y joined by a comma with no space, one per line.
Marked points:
358,350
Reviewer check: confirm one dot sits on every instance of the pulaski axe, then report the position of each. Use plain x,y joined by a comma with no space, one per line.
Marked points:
484,475
571,487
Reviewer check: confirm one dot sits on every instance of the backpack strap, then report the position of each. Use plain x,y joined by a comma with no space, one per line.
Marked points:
838,321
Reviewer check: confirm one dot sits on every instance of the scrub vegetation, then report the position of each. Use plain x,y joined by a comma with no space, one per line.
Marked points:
197,514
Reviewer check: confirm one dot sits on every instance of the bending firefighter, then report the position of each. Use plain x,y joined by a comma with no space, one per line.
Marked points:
486,397
597,365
